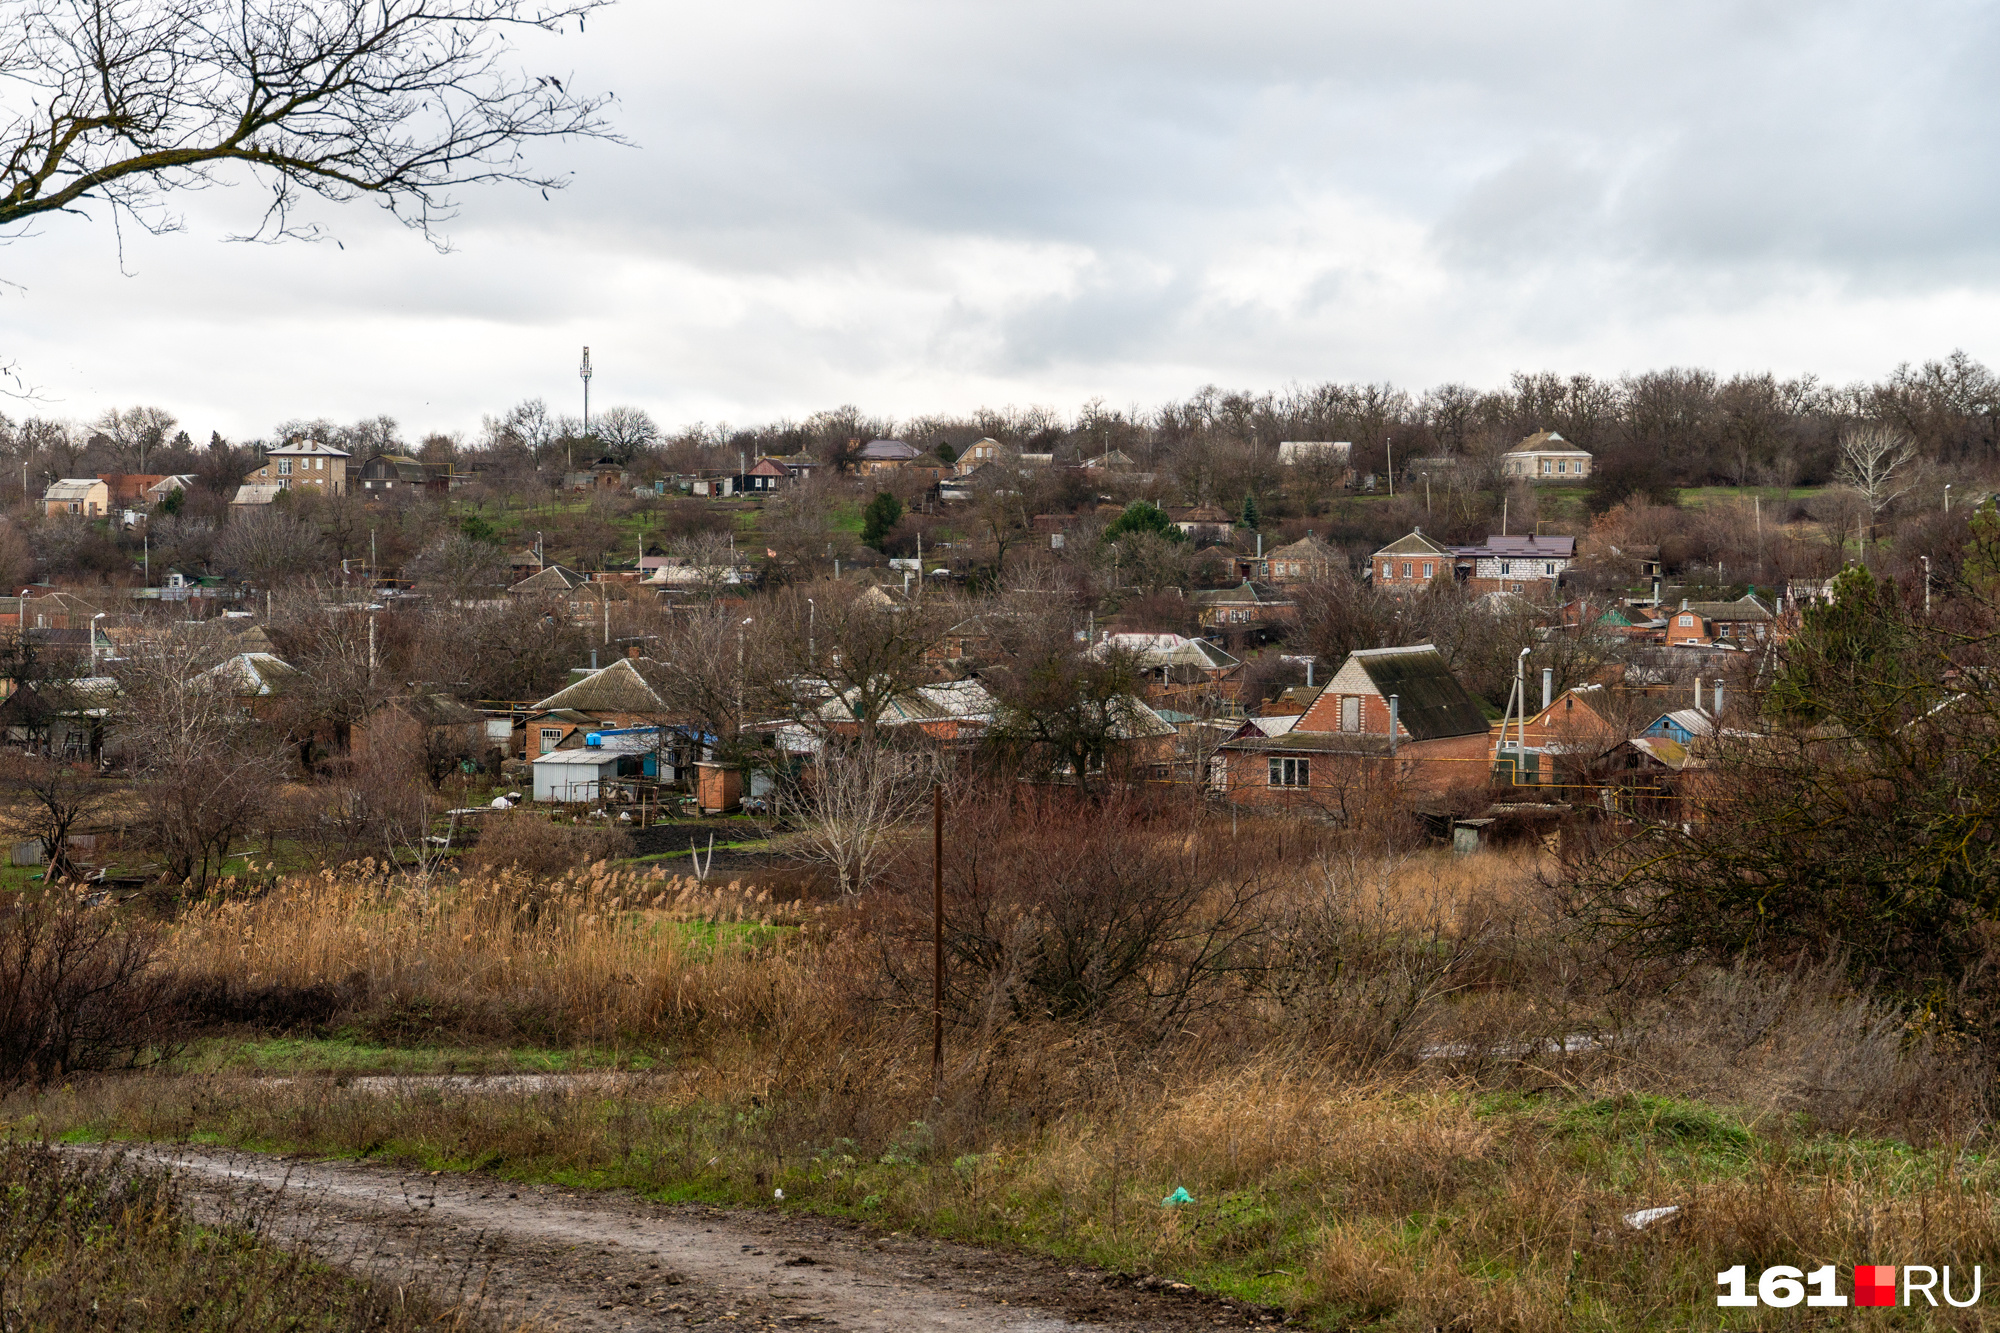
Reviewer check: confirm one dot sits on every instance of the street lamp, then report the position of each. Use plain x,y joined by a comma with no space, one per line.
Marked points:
1947,497
739,673
812,632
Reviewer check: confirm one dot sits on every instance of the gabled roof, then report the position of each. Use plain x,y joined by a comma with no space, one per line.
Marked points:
1171,650
72,488
403,466
1414,544
1431,704
1694,721
1743,608
254,675
892,451
1306,548
256,493
768,467
550,579
1201,514
957,700
432,709
628,685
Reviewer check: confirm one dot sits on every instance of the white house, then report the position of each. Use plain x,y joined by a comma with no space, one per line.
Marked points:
1546,456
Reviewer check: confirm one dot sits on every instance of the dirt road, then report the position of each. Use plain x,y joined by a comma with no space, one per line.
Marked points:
586,1260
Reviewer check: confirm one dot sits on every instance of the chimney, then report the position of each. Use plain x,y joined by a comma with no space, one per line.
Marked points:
1718,696
633,651
1697,694
1548,687
593,659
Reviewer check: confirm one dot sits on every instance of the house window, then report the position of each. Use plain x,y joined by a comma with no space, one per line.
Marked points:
1291,772
1406,569
284,467
551,738
319,465
1350,713
1687,622
1506,568
1562,465
1429,569
1386,567
1550,569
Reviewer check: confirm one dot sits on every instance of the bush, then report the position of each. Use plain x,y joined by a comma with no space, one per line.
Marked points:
78,990
526,840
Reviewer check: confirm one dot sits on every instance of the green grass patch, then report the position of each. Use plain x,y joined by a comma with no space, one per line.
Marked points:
350,1055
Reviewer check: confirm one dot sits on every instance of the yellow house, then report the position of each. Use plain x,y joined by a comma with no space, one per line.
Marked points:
88,496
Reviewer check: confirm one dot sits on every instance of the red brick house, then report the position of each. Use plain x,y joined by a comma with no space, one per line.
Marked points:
1409,564
1344,743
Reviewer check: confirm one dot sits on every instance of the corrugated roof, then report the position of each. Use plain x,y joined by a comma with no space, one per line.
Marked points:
1743,608
72,488
256,493
622,687
1307,547
255,674
1171,650
894,451
1431,704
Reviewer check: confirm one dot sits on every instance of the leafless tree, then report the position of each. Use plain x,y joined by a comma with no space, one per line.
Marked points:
625,431
459,567
208,771
46,800
863,644
855,796
1875,463
137,431
270,548
395,100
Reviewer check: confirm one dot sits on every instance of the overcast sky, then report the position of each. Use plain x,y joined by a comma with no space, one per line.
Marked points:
925,207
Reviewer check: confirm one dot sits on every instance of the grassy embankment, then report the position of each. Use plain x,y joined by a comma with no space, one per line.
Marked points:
1385,1138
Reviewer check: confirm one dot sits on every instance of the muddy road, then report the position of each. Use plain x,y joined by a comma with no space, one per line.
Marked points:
587,1260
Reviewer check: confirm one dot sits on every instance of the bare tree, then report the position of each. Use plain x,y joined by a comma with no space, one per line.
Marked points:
46,800
460,567
625,431
1875,464
854,796
209,772
397,100
269,547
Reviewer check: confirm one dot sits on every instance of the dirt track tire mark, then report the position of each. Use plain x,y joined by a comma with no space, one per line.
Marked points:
589,1261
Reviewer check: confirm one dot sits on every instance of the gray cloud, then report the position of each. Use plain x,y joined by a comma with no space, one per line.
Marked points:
922,207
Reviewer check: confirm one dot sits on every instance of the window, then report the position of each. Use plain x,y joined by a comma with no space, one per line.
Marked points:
1350,713
1385,570
1406,569
319,464
284,467
1506,568
1291,772
1562,465
1429,569
1549,569
1687,622
551,738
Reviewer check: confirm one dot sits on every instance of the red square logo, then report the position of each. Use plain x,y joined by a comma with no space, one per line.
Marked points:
1874,1284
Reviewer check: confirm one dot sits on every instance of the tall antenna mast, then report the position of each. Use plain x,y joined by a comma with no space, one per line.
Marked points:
584,374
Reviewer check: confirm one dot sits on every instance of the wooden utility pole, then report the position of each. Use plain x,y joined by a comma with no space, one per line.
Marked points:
937,943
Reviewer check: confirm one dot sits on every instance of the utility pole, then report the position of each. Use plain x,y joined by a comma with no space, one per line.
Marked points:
1389,444
1927,583
937,943
584,374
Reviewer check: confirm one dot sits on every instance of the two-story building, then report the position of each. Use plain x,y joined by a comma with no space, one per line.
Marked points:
1530,565
1745,622
303,465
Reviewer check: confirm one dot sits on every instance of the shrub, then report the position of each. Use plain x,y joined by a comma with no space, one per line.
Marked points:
78,989
526,840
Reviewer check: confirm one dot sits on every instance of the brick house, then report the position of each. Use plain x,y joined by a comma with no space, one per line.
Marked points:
1546,457
1409,564
1302,561
1346,745
1743,622
1558,743
1529,565
303,465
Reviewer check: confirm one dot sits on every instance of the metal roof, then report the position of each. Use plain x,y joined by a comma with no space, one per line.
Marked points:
1431,704
72,488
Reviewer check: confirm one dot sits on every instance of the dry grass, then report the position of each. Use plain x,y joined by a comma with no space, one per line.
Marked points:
602,954
1379,1133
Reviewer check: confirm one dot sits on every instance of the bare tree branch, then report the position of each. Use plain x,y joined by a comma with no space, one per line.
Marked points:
127,101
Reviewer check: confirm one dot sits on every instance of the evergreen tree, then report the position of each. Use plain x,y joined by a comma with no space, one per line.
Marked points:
1250,518
879,517
1143,516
